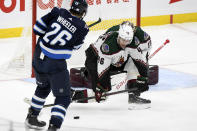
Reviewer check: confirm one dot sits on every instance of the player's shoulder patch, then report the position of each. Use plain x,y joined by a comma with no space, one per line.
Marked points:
137,41
110,45
105,48
146,36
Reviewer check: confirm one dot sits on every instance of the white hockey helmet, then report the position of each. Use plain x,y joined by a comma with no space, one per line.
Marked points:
126,31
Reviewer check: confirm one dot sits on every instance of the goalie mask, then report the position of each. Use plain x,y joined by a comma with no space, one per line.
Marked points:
125,34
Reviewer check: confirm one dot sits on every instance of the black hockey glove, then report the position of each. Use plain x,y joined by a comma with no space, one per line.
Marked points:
99,91
142,84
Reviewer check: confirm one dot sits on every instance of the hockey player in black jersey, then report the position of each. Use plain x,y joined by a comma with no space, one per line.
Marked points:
60,32
123,47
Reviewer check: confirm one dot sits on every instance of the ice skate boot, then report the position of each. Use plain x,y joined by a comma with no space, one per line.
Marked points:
32,121
136,102
52,128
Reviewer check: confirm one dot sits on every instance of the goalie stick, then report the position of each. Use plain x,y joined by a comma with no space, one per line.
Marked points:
28,101
95,23
159,48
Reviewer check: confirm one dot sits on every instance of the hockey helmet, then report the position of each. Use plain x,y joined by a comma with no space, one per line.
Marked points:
126,31
79,7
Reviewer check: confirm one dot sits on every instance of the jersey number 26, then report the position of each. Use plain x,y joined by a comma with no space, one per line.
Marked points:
61,38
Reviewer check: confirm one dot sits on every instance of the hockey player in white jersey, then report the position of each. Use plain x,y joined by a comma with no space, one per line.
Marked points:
120,48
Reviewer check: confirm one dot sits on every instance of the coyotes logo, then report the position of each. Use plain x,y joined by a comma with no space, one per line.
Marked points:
120,62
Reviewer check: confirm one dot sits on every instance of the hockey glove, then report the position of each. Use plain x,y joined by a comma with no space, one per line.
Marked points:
99,93
142,84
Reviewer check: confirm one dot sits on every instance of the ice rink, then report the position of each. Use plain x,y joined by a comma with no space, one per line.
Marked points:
174,98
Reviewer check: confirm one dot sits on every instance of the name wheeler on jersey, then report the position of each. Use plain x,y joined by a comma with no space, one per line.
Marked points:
60,33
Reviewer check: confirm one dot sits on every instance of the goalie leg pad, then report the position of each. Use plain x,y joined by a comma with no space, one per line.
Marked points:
79,78
76,79
153,74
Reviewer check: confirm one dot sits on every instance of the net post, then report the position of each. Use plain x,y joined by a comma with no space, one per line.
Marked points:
34,15
138,10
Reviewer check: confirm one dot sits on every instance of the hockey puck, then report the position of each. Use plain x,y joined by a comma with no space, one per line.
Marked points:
76,117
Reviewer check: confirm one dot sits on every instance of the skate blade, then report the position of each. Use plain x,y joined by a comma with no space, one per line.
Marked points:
32,127
134,106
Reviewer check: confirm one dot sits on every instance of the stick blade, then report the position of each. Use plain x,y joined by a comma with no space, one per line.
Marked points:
93,24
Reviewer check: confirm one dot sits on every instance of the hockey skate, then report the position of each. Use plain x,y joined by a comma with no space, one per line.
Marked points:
52,128
137,103
32,121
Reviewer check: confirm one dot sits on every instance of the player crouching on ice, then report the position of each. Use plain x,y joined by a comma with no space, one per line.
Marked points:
123,47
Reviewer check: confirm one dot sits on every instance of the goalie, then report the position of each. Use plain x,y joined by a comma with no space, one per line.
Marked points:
123,47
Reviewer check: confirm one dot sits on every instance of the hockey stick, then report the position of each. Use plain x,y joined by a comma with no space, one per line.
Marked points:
158,49
108,94
93,24
28,101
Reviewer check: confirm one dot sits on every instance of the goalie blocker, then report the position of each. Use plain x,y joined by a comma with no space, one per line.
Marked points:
80,82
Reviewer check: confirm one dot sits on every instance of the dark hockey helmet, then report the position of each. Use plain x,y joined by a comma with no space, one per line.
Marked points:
79,7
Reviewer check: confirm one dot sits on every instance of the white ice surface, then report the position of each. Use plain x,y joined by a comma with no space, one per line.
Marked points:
174,98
